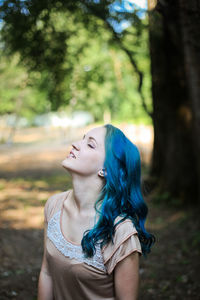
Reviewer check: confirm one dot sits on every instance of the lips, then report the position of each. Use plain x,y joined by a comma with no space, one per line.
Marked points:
72,154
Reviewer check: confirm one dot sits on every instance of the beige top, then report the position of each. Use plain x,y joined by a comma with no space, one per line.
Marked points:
76,277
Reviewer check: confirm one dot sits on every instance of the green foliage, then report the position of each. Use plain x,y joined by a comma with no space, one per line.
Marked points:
73,57
19,91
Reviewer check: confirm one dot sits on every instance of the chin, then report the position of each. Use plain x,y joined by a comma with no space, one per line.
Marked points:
64,163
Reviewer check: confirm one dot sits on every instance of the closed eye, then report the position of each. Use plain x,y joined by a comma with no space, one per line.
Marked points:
90,146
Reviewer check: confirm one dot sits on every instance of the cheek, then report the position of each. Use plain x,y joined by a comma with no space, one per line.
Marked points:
95,159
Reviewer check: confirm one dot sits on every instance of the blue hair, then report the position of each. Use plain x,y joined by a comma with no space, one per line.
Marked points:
120,195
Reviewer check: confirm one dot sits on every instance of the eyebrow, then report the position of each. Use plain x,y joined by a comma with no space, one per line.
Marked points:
90,137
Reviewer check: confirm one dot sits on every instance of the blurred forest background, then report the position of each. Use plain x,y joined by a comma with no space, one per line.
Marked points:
68,66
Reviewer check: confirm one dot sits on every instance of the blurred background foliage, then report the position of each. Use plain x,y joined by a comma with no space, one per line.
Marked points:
55,57
121,64
116,61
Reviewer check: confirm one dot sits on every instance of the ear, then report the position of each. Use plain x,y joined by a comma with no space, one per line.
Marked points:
102,173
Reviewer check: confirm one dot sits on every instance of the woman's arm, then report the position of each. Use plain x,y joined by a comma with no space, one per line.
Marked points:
126,277
45,284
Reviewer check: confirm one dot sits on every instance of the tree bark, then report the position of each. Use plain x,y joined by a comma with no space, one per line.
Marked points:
174,163
190,29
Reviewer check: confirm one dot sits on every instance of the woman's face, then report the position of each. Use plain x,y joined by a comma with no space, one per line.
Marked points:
87,155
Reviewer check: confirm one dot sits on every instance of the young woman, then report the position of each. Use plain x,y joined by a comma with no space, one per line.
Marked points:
94,233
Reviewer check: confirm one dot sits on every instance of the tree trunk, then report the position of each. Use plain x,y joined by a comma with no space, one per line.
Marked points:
190,27
174,163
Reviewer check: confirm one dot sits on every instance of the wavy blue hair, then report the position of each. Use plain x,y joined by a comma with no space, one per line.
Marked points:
120,195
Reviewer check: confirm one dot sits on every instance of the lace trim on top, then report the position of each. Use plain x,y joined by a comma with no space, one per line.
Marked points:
70,250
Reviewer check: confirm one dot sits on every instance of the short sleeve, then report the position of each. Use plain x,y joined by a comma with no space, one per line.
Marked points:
126,241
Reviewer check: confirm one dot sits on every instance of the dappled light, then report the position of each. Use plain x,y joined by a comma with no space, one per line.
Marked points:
33,173
69,66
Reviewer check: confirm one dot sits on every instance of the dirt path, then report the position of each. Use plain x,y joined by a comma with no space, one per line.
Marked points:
29,175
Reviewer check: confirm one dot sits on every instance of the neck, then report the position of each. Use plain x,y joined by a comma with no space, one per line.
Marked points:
85,193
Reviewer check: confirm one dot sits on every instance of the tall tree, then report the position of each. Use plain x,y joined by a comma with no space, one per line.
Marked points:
175,55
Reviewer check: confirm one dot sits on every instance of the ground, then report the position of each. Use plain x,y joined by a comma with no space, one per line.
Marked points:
29,173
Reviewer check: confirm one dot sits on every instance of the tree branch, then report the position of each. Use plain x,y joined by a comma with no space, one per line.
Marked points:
134,64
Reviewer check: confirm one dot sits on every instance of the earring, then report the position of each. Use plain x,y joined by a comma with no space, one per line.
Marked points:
101,173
